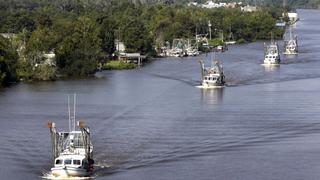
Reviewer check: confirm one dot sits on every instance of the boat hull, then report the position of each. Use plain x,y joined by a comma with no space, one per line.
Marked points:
290,53
209,85
271,61
69,172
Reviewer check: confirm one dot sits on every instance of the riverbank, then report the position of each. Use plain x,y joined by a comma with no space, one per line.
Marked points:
118,65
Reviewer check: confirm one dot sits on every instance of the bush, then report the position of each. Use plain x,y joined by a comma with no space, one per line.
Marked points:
118,65
241,41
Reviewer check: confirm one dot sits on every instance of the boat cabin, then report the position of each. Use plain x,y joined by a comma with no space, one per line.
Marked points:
70,161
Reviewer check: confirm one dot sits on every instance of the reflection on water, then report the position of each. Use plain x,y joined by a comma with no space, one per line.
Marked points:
271,68
212,96
290,58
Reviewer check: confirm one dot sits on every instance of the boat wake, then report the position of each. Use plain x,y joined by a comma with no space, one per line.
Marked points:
263,64
210,87
52,177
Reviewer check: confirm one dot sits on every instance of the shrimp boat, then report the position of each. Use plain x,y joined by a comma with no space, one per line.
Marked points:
212,76
271,54
291,45
72,150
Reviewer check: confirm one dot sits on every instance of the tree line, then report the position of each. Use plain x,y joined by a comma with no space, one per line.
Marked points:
82,33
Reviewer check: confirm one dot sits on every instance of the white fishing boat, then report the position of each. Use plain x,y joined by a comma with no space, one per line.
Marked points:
213,76
291,44
176,52
192,48
271,55
293,17
192,51
72,150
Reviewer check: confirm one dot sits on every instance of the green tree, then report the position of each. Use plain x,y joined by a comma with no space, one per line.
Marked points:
8,61
78,54
107,36
136,37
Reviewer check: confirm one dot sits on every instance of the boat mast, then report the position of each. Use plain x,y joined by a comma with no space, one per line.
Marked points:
290,33
69,111
72,117
74,111
213,59
202,69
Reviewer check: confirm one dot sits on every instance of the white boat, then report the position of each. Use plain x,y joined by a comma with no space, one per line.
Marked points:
212,76
291,44
293,17
72,150
192,51
176,52
272,55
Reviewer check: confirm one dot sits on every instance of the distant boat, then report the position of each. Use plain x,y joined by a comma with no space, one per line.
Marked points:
192,48
272,55
72,151
176,52
293,17
291,44
212,76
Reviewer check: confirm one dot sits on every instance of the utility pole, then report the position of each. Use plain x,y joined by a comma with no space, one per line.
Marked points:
284,3
209,24
118,43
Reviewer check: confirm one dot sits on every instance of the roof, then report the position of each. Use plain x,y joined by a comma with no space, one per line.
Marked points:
132,55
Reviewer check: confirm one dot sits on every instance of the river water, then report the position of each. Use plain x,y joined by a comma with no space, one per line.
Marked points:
153,123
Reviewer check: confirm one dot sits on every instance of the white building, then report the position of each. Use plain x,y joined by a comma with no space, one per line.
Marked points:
249,8
210,4
120,47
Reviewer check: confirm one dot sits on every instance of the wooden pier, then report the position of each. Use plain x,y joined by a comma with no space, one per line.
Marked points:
136,58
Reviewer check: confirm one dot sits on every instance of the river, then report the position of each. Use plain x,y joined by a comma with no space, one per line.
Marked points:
153,123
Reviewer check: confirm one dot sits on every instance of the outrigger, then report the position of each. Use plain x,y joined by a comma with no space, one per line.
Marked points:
71,151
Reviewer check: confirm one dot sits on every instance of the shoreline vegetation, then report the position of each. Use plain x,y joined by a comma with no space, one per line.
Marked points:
118,65
51,39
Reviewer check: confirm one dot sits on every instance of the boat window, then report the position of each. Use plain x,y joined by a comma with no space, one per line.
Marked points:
76,162
67,161
58,161
205,78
